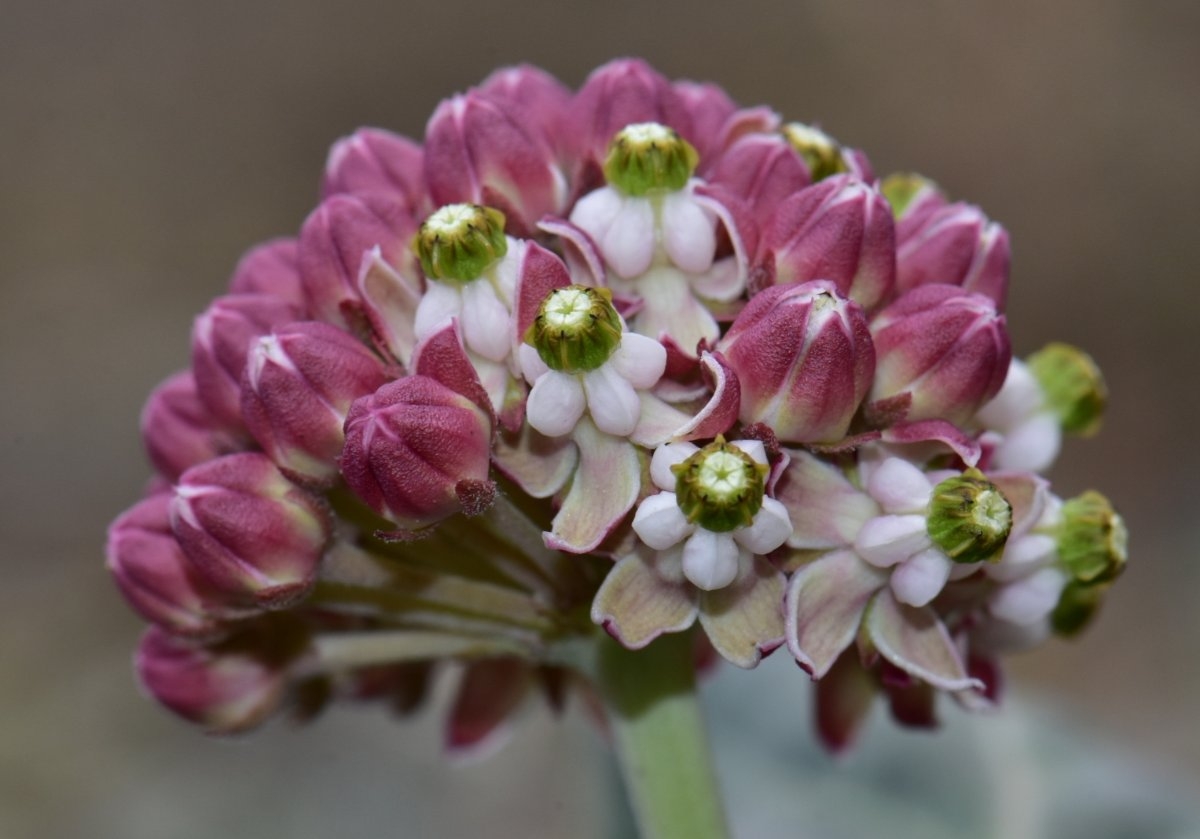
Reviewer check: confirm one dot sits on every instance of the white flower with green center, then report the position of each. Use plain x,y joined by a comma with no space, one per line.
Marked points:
578,357
472,272
713,511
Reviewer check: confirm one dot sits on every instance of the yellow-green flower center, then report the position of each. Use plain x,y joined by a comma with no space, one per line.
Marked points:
576,329
648,157
969,518
821,152
1073,385
1093,541
460,242
720,487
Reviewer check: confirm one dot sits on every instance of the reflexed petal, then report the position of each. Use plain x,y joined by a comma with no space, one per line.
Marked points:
886,540
920,578
612,401
605,487
671,308
636,604
639,360
539,465
657,422
744,620
666,456
827,511
844,698
440,302
770,528
485,321
1030,599
710,560
900,487
916,641
490,691
689,233
660,523
628,245
824,606
555,404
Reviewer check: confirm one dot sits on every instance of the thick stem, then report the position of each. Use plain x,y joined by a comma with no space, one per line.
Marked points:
661,742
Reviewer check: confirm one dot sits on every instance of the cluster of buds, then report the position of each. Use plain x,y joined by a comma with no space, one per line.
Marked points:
630,360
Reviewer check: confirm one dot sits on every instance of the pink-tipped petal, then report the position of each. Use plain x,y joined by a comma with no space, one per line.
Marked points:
605,488
640,600
744,620
826,510
916,641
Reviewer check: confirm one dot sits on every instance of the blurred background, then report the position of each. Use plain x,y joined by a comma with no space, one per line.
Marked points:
145,145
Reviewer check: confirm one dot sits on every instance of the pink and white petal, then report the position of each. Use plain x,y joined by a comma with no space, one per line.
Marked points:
1029,600
753,448
635,604
495,378
737,217
556,403
1028,495
925,439
628,244
440,302
1022,556
657,422
639,360
539,273
900,487
744,620
582,256
827,511
390,301
670,308
887,540
722,283
710,560
605,487
666,456
689,232
824,605
595,212
920,578
1032,445
538,464
612,401
916,641
440,355
660,523
485,321
720,412
770,528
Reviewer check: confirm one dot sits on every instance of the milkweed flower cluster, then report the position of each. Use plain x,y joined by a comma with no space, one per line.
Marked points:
629,360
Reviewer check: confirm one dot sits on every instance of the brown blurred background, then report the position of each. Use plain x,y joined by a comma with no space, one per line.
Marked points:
144,145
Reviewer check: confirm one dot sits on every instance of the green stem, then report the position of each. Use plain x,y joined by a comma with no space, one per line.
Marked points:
660,738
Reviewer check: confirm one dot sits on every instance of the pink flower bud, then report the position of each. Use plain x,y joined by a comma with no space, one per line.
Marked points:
155,577
221,337
710,109
179,431
764,170
271,268
416,451
956,245
248,530
536,100
227,688
299,384
839,229
373,160
945,347
478,151
804,360
337,238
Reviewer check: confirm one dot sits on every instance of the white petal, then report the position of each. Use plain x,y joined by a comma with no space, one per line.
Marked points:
666,456
660,523
485,321
886,540
689,233
1019,398
770,528
754,448
612,401
440,302
595,212
1023,556
710,560
555,404
641,361
919,579
507,269
899,486
532,366
1031,446
1029,600
628,245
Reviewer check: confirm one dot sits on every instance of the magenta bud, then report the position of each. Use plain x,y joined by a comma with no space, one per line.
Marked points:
373,160
299,383
711,110
251,532
271,268
478,151
179,431
155,577
415,449
228,687
957,245
839,229
536,100
336,240
945,347
804,359
762,169
221,338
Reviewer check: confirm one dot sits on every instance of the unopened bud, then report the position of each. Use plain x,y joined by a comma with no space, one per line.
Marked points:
1092,541
1073,385
1076,607
460,242
822,154
720,487
969,518
179,431
648,157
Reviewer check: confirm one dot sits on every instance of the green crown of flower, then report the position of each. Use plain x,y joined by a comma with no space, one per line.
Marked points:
720,487
460,242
